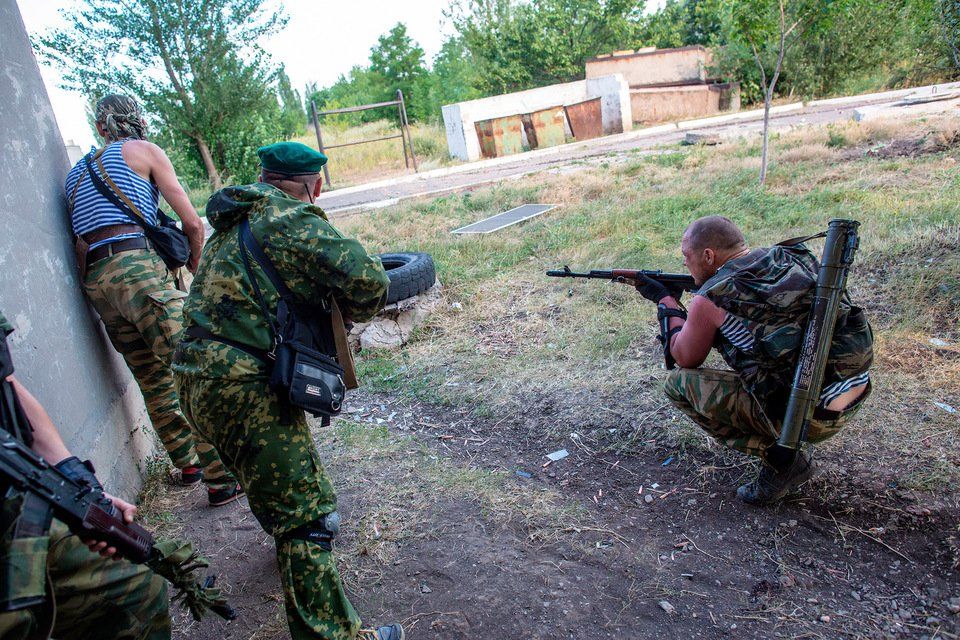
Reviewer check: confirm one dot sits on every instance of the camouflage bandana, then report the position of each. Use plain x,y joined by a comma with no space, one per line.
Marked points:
122,117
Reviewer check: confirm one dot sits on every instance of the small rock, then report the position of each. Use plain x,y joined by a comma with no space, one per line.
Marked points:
825,619
792,523
666,606
425,589
855,596
648,498
787,581
933,621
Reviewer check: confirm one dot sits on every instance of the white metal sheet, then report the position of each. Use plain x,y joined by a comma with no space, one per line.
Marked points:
505,219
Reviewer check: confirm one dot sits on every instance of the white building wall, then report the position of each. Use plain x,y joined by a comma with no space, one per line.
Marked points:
459,119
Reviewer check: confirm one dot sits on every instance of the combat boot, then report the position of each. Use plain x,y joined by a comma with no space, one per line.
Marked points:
771,485
389,632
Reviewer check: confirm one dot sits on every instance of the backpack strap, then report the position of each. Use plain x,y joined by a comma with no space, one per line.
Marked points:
801,239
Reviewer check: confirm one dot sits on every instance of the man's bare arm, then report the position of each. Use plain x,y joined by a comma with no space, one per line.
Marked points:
163,174
691,346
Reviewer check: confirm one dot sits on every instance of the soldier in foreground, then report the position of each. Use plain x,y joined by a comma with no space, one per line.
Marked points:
752,305
223,369
95,597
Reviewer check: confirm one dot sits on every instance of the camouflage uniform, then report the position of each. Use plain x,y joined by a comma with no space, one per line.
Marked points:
224,390
770,291
94,597
142,309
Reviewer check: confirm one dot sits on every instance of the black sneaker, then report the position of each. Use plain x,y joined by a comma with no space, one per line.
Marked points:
220,497
190,475
770,486
390,632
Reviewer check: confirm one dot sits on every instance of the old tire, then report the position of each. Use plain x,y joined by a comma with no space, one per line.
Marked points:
410,274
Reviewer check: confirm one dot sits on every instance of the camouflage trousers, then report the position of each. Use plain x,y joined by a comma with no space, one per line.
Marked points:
278,467
93,598
718,401
142,309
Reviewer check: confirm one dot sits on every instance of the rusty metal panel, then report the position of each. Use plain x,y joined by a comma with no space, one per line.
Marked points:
500,136
585,118
549,128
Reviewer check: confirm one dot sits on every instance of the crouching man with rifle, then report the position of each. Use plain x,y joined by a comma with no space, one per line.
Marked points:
797,377
51,585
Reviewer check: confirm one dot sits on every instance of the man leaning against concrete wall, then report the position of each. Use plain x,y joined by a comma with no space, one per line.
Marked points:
139,300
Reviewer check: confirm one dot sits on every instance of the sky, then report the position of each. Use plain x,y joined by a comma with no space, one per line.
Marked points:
321,41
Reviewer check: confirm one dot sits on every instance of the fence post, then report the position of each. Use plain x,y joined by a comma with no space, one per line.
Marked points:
405,128
403,136
316,127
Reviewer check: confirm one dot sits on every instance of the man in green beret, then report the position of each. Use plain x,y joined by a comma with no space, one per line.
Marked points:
222,374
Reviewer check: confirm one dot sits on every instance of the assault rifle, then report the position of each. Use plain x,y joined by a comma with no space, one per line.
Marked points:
674,282
91,515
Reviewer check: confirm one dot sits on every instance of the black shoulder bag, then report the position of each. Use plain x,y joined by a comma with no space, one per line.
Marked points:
304,375
167,239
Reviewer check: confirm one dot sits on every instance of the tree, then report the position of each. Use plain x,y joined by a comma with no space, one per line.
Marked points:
769,28
196,67
521,45
293,118
399,62
949,14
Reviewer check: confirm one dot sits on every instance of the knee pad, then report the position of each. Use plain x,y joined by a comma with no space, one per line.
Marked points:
321,531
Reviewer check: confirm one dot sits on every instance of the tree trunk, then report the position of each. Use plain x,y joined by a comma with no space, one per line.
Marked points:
766,134
212,173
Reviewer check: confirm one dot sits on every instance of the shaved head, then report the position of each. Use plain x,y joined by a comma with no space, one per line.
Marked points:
715,232
708,243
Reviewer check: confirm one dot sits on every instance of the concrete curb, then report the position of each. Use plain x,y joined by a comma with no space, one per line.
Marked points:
899,110
926,90
740,116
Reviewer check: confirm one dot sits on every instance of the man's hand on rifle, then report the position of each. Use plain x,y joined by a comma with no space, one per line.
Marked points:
128,511
653,290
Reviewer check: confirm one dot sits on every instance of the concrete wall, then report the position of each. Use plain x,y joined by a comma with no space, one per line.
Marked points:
664,104
461,117
658,67
59,349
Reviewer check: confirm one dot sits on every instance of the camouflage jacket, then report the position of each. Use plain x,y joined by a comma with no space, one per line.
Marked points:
771,291
311,256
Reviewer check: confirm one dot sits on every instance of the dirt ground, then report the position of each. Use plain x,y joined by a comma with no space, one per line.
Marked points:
445,532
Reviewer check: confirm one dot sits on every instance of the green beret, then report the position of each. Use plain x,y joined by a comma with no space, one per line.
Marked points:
291,158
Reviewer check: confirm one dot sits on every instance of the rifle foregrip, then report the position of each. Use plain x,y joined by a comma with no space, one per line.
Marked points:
132,541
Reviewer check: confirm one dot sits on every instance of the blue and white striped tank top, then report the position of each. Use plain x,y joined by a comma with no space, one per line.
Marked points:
91,210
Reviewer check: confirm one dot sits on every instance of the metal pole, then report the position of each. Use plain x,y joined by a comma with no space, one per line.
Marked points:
406,161
316,127
406,127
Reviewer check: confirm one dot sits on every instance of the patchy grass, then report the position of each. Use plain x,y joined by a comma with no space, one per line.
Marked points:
516,332
402,481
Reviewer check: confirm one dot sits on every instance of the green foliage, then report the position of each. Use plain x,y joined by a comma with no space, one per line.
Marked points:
196,67
523,45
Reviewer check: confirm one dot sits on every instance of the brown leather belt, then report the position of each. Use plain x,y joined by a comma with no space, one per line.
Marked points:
112,249
110,231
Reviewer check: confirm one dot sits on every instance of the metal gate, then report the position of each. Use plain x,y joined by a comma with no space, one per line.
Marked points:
404,134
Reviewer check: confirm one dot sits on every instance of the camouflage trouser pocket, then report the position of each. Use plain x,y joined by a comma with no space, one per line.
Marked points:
168,317
23,572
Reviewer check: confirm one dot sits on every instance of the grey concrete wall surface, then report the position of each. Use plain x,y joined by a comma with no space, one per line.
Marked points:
656,67
59,348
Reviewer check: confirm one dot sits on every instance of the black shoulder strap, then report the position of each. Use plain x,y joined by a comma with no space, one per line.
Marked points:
247,240
107,193
801,239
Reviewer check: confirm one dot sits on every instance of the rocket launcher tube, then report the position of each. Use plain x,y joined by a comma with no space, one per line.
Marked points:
838,253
